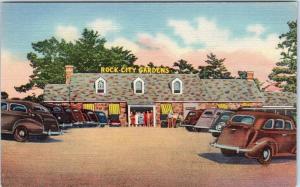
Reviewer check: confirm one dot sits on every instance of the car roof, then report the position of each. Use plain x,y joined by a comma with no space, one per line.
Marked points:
267,115
26,103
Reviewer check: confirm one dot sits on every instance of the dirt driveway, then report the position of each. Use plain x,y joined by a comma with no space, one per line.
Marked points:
135,157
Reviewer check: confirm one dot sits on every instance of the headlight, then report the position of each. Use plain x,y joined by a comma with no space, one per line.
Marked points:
218,127
58,117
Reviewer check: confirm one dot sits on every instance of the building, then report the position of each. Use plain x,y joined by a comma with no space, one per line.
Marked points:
121,93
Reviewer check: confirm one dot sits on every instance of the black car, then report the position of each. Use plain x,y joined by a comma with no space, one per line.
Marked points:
220,123
62,114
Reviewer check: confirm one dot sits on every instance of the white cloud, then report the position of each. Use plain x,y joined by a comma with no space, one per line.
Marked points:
103,26
68,32
257,29
123,42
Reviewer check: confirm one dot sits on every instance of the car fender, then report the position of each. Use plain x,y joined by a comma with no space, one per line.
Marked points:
33,126
260,144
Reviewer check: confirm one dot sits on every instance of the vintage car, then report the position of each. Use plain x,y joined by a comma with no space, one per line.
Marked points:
90,117
220,122
23,119
191,119
101,118
63,115
114,120
78,117
259,135
207,118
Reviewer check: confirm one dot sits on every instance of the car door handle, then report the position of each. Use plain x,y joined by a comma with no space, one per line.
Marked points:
284,134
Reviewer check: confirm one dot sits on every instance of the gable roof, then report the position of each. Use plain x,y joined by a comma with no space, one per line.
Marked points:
280,99
158,89
56,92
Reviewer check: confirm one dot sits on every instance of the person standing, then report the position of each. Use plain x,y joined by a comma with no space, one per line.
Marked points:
175,117
148,119
136,119
132,119
170,119
145,119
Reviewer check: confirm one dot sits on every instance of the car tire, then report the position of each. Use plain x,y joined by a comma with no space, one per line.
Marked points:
265,155
190,129
227,152
21,134
215,134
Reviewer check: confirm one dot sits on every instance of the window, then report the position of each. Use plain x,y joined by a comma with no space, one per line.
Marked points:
279,124
243,119
209,113
138,86
225,117
18,107
40,109
3,106
288,125
268,124
100,86
177,86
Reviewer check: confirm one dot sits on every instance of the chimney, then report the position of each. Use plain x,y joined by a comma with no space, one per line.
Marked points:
69,73
250,75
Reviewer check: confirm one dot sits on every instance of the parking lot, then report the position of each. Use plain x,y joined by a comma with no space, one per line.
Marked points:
135,157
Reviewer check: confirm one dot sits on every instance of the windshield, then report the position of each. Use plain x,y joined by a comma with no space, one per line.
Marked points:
243,119
225,117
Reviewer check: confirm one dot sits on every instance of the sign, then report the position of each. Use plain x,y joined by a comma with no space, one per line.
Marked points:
141,70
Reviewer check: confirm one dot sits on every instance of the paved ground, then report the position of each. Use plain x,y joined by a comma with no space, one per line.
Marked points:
135,157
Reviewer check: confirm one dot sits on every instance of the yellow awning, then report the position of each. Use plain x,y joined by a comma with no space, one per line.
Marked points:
166,108
89,106
114,108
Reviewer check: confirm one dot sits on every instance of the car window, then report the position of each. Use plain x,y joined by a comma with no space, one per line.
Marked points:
18,107
68,110
225,117
279,124
218,113
3,106
208,113
56,109
268,124
40,109
288,125
243,119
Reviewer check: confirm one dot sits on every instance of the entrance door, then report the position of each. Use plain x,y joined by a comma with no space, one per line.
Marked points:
141,109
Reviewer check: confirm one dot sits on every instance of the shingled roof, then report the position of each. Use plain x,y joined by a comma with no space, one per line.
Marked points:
280,99
157,89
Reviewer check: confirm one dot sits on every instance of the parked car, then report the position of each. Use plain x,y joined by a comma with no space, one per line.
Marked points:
207,118
114,120
220,123
23,119
101,118
62,114
259,135
90,117
78,117
191,119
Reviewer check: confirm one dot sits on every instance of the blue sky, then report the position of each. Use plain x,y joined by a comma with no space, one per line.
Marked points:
24,23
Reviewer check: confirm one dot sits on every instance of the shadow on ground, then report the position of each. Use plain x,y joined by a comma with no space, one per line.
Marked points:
240,159
31,139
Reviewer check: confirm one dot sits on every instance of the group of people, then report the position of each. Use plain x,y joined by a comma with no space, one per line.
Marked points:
144,119
173,119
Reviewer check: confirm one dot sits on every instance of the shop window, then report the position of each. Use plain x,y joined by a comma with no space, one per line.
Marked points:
100,86
138,86
177,86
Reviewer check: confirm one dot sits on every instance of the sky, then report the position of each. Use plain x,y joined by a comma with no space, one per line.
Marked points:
246,34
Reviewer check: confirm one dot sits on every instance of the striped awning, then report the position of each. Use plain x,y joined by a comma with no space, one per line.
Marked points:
89,106
114,109
166,108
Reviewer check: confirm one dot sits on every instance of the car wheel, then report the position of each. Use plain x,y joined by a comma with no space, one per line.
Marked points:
21,134
215,134
265,155
227,152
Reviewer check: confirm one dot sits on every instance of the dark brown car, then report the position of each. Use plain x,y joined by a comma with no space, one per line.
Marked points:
191,119
259,135
23,119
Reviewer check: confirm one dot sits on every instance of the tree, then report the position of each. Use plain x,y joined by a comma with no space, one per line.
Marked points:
34,98
87,55
215,69
182,66
4,95
285,70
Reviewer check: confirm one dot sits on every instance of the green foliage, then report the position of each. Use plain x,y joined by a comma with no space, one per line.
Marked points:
34,98
285,71
183,67
215,69
87,55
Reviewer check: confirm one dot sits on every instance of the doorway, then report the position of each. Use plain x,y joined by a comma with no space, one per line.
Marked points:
142,109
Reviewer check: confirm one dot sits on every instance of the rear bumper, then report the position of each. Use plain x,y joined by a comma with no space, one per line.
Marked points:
214,131
233,148
114,124
201,127
53,133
